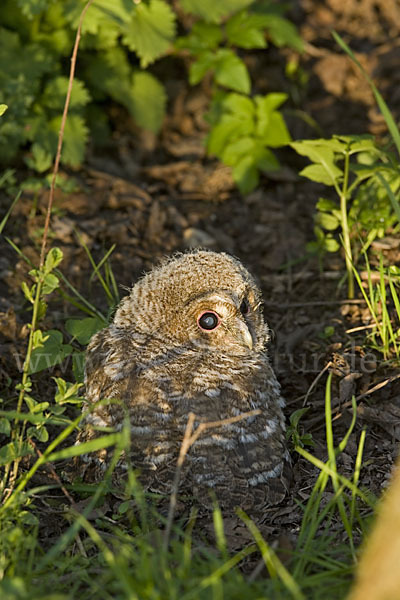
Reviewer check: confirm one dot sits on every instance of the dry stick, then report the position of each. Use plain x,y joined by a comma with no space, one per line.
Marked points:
61,134
188,440
64,491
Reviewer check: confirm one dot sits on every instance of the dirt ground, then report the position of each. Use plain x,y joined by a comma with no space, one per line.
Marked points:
152,197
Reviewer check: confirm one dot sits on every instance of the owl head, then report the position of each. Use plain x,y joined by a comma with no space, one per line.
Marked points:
202,298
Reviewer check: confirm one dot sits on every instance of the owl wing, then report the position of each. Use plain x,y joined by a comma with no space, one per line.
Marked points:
106,377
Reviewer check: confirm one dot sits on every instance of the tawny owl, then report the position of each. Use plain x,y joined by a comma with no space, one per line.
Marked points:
190,337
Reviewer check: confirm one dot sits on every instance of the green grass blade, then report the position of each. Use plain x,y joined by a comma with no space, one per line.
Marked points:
8,213
390,122
392,197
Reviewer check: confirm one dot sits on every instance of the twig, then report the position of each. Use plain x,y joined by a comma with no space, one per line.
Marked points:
61,135
314,383
188,440
64,490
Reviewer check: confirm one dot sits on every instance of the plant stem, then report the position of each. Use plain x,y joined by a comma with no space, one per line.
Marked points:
345,226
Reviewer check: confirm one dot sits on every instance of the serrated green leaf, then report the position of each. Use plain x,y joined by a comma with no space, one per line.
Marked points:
147,101
246,175
102,13
276,133
83,329
231,72
246,31
151,30
205,61
283,33
213,11
75,138
32,8
51,353
56,90
234,151
320,174
203,36
40,159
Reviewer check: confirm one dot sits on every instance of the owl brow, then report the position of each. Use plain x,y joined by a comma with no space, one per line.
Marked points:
211,294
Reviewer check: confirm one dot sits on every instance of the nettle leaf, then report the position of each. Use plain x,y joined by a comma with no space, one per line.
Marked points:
31,8
203,36
231,72
56,90
313,149
246,31
147,101
246,174
205,62
83,329
53,352
213,11
75,138
151,30
39,159
283,33
102,13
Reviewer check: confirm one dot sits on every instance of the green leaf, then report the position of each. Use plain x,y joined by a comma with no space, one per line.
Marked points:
203,36
31,8
14,450
40,159
213,11
3,108
56,90
206,61
151,30
327,221
231,72
67,393
50,283
84,329
101,14
245,173
5,427
39,433
321,174
75,137
148,101
53,352
283,33
53,259
246,31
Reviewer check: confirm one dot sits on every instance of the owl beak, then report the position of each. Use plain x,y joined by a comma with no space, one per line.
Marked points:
243,334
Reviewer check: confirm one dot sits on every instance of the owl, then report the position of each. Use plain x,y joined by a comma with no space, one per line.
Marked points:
190,337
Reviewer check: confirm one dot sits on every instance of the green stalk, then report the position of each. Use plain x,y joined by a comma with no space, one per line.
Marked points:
345,226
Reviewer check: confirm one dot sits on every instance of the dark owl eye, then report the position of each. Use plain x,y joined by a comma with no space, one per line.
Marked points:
208,320
245,307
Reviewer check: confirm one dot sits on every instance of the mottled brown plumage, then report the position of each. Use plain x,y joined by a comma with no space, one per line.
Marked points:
190,336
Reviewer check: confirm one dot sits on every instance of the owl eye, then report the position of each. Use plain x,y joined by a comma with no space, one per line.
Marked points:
245,307
208,320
